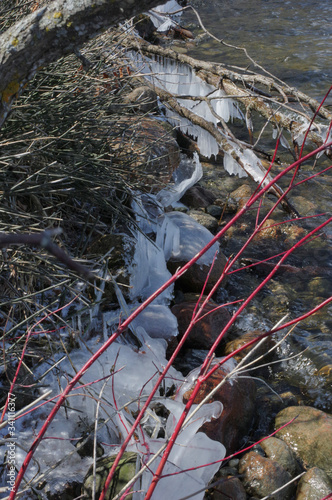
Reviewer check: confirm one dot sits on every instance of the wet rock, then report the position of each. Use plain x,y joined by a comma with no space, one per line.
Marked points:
238,399
193,237
228,205
206,220
198,197
280,452
227,487
309,436
270,230
241,195
205,332
214,211
142,99
125,472
235,344
314,485
262,476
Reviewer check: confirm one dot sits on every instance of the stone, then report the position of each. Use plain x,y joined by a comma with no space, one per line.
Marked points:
215,211
262,476
235,344
204,219
227,487
238,399
198,197
145,150
241,195
125,472
142,99
206,331
314,485
193,237
277,450
309,436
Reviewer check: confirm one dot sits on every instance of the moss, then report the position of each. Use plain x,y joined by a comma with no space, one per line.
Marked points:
11,89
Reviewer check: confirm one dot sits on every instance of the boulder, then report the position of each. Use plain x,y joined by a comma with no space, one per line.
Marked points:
309,436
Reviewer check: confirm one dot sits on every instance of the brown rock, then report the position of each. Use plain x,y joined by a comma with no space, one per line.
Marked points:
241,195
198,197
262,476
309,436
206,331
238,399
146,149
227,488
235,344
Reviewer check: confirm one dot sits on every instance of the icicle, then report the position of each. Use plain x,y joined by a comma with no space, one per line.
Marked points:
183,180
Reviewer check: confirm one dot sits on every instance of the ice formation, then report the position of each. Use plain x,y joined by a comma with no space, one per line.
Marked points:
187,174
159,15
180,80
189,237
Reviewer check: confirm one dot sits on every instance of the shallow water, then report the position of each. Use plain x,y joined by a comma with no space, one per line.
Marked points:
293,40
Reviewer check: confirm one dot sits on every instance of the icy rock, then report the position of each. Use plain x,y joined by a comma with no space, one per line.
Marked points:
182,243
158,321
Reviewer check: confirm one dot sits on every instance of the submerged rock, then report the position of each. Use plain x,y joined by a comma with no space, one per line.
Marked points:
309,436
262,476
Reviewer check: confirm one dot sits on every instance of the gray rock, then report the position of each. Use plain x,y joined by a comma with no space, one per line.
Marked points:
309,436
314,485
278,450
206,220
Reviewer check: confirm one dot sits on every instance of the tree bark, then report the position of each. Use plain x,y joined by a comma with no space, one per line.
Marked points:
51,32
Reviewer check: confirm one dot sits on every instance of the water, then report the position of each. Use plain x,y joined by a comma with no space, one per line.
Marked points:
292,40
